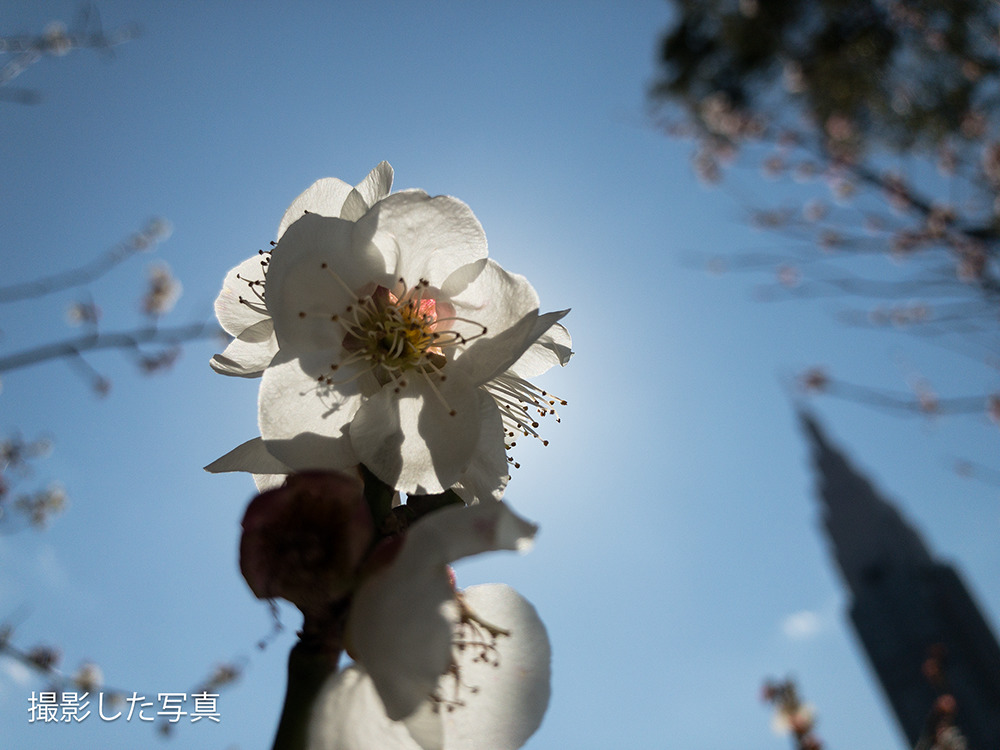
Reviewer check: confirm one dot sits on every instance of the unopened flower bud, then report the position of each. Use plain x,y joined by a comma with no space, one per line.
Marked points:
305,540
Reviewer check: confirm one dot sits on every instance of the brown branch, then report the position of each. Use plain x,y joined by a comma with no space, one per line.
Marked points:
117,340
155,231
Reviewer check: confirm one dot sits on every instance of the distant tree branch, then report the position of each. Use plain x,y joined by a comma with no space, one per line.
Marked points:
116,340
156,230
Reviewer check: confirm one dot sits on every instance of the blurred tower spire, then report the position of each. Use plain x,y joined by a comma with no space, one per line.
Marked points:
905,605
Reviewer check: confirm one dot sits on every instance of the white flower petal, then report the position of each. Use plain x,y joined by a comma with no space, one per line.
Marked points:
251,323
422,438
368,192
317,270
303,422
376,184
354,207
511,697
456,532
324,197
425,727
236,316
405,666
265,482
486,476
349,715
241,313
552,347
244,359
308,450
489,356
401,620
489,297
435,235
251,456
402,629
327,197
260,332
499,701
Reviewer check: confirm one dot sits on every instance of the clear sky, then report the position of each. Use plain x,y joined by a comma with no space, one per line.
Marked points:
678,526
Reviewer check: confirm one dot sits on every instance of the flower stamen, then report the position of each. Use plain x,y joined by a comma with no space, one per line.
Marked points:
326,267
434,388
516,398
395,331
473,638
256,286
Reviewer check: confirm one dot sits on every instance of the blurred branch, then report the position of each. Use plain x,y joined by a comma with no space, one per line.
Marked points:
56,40
155,231
921,400
35,508
973,470
791,715
117,340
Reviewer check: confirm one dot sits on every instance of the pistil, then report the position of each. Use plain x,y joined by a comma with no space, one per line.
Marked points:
397,331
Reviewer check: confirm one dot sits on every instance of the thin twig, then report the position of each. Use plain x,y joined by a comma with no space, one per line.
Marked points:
155,231
117,340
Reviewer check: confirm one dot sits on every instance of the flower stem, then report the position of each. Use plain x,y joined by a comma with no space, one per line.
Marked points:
308,669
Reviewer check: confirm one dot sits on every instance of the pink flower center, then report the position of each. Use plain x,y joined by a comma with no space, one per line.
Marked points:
400,331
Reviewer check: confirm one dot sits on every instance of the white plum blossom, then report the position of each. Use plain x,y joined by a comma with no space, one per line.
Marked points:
519,403
386,337
435,668
240,306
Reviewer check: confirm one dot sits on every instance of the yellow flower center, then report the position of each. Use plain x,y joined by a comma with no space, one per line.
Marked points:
396,333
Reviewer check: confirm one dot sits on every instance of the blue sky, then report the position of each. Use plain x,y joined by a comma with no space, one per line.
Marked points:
678,527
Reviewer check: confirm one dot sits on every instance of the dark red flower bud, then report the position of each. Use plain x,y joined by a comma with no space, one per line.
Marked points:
305,540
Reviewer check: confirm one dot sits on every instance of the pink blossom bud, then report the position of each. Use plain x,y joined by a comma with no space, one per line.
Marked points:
305,540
